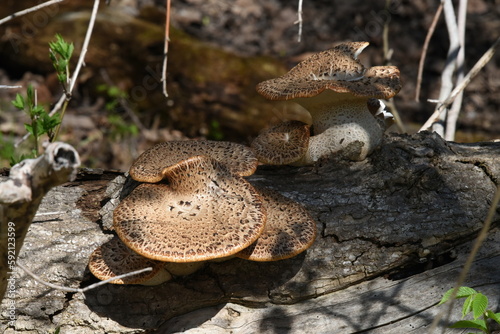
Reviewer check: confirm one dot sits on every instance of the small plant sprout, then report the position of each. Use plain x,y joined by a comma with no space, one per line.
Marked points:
60,53
41,122
477,303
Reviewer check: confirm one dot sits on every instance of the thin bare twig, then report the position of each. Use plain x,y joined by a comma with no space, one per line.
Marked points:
85,46
165,49
299,21
450,64
387,57
385,37
470,259
451,119
87,288
29,10
432,28
9,87
485,58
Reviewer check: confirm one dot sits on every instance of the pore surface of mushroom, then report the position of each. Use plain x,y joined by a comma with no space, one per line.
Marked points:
335,88
289,230
204,212
113,258
151,164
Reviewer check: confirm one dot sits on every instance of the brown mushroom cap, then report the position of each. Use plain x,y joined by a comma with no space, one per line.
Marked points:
151,164
205,212
113,258
289,230
337,69
283,143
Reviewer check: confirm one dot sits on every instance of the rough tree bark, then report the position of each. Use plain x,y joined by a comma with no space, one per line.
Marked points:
393,233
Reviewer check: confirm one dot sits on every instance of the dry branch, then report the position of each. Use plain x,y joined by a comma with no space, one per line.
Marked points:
21,194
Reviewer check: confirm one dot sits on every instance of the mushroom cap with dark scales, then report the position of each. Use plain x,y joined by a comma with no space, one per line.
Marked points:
337,69
150,165
283,143
289,230
204,212
113,258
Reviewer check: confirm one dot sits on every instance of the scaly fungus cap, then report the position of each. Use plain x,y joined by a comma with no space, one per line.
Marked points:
289,230
113,258
150,166
337,69
283,143
204,212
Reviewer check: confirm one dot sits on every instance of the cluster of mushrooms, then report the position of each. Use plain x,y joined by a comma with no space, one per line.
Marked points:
342,97
193,203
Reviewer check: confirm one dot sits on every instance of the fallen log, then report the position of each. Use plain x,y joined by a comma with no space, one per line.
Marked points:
393,232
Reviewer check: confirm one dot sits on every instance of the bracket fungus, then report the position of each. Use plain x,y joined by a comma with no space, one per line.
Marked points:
113,258
289,142
335,88
150,166
193,205
289,230
204,212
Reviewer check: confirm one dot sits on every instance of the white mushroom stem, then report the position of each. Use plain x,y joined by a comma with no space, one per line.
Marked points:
21,194
340,119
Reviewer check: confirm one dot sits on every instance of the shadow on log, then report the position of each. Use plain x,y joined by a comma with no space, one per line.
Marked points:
410,208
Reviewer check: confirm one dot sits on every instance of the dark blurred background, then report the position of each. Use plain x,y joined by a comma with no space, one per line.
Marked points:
219,50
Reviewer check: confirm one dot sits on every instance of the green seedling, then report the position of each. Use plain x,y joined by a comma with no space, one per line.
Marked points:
40,121
60,53
475,303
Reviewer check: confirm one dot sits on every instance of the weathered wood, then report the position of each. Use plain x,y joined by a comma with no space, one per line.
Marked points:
413,205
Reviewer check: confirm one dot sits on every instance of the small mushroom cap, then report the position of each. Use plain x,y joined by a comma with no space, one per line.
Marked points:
113,258
289,230
283,143
204,212
151,164
337,69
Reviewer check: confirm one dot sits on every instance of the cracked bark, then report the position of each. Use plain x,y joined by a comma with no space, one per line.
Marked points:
406,213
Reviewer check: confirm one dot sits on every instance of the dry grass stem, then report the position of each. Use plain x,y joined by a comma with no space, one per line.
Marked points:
432,28
299,21
452,117
485,58
165,49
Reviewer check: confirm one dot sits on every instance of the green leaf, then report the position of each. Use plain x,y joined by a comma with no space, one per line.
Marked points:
494,316
48,123
30,96
467,306
61,48
19,102
29,128
61,76
476,324
479,305
462,292
38,111
71,48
